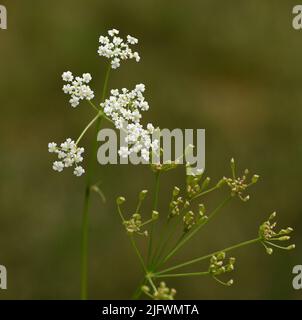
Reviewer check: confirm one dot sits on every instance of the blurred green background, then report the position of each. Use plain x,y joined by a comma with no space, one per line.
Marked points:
231,67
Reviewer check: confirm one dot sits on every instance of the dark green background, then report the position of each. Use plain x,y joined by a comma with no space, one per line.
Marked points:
231,67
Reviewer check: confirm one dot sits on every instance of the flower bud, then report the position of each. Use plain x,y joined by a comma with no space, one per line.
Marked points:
155,215
255,178
221,182
213,259
230,267
176,191
232,163
205,183
230,282
145,289
136,216
272,216
173,292
186,204
291,247
221,255
247,198
203,219
120,200
284,238
232,260
201,209
142,195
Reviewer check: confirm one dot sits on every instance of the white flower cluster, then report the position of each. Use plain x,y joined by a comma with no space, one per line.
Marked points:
77,87
68,154
116,49
124,109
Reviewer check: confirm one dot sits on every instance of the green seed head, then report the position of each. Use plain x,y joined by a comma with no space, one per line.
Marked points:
120,200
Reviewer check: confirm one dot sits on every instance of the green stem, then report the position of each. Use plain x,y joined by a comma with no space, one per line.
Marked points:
105,86
242,244
219,281
160,256
138,291
163,242
93,106
85,217
155,204
138,253
120,213
176,275
204,193
147,222
88,126
152,283
184,239
275,245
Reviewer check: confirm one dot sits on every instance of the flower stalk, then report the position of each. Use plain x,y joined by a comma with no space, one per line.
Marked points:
85,215
155,205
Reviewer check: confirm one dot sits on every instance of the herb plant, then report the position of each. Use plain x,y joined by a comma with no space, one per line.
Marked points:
186,208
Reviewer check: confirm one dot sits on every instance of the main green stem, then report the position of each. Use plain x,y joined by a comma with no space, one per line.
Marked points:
155,204
85,218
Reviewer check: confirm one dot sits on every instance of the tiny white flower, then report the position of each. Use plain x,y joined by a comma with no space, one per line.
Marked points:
140,87
67,76
52,147
136,57
74,101
144,105
150,127
115,63
67,88
124,152
104,40
87,77
114,92
113,32
78,80
78,158
61,155
117,41
80,150
131,40
68,162
78,171
58,166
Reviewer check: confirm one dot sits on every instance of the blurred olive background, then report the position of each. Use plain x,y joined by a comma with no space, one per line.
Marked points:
231,67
